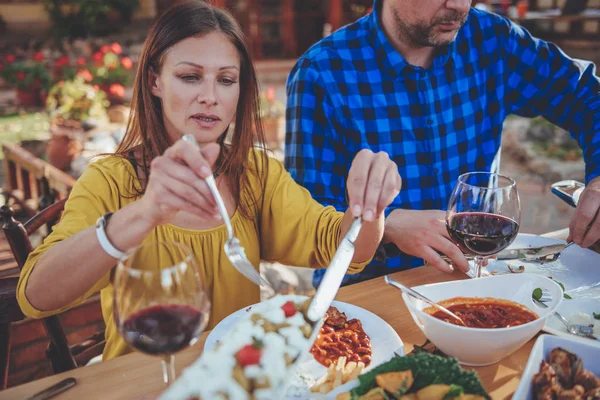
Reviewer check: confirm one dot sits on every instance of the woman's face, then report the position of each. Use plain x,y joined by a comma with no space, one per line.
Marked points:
199,87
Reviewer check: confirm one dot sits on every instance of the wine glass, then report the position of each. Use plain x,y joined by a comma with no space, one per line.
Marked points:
160,303
483,215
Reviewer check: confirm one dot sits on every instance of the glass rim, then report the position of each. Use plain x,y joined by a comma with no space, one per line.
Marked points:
511,181
130,253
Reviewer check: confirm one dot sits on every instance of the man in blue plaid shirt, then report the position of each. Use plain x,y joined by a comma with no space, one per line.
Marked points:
430,83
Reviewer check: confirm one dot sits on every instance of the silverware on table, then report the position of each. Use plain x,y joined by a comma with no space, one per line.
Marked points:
233,249
335,273
574,329
55,389
414,293
541,254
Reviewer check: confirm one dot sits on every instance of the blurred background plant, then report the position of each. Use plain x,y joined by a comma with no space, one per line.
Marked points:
75,100
28,76
108,69
552,141
270,107
111,71
82,18
272,113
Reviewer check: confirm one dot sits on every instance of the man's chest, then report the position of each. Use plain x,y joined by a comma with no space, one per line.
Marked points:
433,108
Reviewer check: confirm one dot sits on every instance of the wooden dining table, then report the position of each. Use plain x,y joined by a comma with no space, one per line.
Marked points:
138,376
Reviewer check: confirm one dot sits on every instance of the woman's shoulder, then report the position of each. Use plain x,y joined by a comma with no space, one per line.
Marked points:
266,168
264,161
114,170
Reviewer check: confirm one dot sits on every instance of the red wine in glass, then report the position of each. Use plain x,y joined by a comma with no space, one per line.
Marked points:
164,329
160,303
480,233
483,215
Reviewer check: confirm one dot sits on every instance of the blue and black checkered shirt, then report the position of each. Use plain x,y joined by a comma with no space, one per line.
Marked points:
352,91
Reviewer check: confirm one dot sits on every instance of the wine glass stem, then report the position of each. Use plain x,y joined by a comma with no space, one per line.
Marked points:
478,266
168,367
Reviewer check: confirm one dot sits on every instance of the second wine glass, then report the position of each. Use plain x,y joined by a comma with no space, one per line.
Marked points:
160,303
483,215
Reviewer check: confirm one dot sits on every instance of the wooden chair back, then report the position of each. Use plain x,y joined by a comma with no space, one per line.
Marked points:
61,357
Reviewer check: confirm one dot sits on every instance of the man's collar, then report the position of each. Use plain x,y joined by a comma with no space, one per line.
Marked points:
388,57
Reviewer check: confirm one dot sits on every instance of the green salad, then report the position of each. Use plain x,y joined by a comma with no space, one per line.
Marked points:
419,376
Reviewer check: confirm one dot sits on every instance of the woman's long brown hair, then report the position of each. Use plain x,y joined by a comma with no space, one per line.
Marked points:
146,130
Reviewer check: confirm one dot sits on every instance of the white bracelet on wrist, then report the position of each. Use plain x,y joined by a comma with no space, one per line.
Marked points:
107,246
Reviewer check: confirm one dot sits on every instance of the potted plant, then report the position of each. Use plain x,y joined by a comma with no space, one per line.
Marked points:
272,112
71,105
111,71
29,78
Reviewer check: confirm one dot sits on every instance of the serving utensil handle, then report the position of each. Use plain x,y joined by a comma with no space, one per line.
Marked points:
419,296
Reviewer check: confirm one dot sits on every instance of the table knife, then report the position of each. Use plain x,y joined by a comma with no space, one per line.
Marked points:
525,254
335,273
55,389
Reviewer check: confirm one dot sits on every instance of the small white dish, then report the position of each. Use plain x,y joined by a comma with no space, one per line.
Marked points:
587,350
574,269
474,346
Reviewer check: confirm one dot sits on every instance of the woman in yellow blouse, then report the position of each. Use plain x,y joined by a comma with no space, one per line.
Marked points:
196,76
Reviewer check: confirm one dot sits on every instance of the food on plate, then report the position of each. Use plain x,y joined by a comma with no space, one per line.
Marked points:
563,377
338,373
254,358
518,270
484,312
340,336
419,376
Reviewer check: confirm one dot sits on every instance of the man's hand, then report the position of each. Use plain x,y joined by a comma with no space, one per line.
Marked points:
584,228
423,234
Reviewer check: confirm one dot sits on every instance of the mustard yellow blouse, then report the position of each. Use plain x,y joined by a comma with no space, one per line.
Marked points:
289,227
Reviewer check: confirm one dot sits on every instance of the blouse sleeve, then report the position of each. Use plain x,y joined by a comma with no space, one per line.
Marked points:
295,229
93,195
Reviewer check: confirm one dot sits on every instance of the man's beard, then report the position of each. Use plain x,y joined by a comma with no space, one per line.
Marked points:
421,34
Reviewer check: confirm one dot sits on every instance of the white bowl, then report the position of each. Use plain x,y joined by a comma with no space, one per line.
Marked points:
587,350
474,346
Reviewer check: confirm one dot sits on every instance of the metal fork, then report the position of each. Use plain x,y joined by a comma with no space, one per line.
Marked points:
233,249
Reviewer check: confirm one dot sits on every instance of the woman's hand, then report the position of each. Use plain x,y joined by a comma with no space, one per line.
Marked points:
373,183
177,183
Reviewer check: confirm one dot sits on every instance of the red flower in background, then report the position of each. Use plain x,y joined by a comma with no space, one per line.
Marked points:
126,63
98,58
116,89
104,49
85,74
62,61
38,56
81,61
10,58
1,66
270,95
96,87
116,48
20,75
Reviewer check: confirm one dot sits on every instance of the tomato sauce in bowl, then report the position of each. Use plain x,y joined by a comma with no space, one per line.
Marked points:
485,313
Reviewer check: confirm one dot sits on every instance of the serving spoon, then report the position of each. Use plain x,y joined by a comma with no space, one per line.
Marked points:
414,293
573,329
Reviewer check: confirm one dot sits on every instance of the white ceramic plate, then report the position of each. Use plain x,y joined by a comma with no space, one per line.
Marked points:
587,350
577,269
384,340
